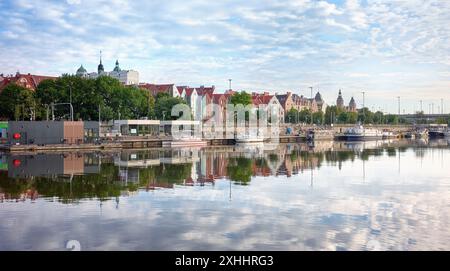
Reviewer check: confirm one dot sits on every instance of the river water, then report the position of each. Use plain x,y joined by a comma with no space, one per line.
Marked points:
380,195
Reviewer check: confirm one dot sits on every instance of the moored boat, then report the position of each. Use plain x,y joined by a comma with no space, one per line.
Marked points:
447,133
410,135
359,132
423,133
388,134
437,133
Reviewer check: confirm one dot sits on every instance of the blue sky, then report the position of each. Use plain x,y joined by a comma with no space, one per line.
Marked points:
385,48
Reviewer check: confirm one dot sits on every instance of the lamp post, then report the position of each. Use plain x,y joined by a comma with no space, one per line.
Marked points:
312,100
364,101
70,106
398,97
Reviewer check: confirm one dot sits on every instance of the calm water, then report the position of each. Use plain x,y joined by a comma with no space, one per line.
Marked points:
333,196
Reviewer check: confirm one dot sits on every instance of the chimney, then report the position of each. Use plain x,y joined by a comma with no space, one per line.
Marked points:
289,93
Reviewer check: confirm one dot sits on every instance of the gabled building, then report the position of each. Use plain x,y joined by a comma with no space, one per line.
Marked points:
271,101
286,101
29,81
198,100
155,89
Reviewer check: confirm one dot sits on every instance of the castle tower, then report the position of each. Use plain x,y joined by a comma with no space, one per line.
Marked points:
340,101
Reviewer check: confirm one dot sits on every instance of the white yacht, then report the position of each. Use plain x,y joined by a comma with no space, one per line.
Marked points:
358,132
447,133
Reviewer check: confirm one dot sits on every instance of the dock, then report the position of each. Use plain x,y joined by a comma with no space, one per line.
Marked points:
132,143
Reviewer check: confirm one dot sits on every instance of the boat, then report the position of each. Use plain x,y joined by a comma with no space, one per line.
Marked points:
358,132
437,133
447,133
410,135
422,133
388,134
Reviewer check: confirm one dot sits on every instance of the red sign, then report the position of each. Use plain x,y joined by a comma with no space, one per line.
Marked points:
16,136
16,162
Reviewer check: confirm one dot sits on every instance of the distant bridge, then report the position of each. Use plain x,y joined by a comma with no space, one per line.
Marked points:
429,117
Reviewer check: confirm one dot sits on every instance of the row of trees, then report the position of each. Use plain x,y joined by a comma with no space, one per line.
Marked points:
104,98
333,114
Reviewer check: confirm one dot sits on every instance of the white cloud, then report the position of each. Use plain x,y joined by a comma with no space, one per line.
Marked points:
261,44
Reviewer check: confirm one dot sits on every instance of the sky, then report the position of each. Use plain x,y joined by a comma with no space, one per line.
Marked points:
387,49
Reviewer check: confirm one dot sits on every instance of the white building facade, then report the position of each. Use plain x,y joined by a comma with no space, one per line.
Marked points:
126,77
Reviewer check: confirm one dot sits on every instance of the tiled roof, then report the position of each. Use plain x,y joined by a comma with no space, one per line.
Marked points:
31,80
155,89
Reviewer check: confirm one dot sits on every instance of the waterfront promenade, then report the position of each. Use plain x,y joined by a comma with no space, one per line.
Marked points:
297,134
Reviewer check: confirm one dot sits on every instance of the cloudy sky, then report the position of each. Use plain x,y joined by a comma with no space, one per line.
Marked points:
385,48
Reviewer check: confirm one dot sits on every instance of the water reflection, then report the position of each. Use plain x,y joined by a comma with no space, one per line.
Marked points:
232,197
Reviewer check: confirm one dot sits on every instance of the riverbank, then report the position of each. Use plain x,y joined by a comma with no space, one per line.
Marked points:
135,143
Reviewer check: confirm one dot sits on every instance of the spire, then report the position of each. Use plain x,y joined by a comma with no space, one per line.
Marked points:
100,68
340,100
117,68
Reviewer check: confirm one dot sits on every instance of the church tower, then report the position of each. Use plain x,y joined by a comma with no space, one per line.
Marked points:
352,105
340,100
117,68
100,68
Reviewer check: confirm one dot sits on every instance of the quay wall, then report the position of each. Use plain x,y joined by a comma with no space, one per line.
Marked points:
339,128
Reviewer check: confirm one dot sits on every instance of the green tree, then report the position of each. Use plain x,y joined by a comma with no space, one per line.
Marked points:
331,114
378,117
17,103
304,115
392,119
241,98
318,117
365,116
441,121
88,96
292,116
164,104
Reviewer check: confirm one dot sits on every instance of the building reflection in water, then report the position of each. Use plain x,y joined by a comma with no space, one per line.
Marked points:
71,177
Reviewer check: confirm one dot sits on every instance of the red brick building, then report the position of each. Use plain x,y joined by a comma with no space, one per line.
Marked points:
154,89
29,81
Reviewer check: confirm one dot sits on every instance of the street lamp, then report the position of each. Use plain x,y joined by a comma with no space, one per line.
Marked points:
364,101
312,100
